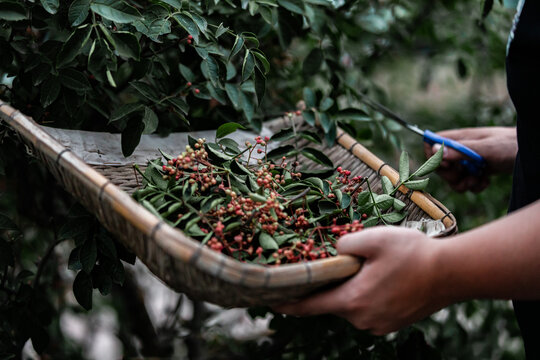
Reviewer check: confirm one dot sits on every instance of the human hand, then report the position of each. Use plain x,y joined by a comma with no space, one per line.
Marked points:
396,286
497,145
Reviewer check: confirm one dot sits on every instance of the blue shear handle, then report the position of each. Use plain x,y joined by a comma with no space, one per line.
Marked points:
474,164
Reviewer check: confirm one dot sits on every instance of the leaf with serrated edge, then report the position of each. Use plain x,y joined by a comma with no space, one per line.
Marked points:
267,242
417,184
317,156
386,184
431,164
403,166
227,129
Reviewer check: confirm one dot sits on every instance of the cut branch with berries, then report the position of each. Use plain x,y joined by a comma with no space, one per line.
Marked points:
258,206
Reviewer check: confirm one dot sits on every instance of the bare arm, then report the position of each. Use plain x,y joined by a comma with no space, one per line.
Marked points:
408,276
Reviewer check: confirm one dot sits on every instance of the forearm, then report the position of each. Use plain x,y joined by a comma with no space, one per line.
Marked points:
498,260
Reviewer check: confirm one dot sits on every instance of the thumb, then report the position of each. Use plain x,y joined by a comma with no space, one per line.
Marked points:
365,243
451,155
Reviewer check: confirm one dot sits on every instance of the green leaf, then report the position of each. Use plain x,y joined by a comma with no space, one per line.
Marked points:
154,24
260,85
230,145
294,6
233,93
150,121
145,90
384,201
73,45
352,114
200,21
267,242
237,46
51,6
326,122
386,184
327,207
315,181
431,164
310,98
228,128
131,136
50,89
186,73
309,117
339,194
177,4
399,205
283,135
78,12
74,261
312,63
403,166
238,183
261,59
290,238
115,10
345,201
88,255
317,156
246,102
215,151
213,70
393,217
127,45
189,25
417,184
248,65
310,136
12,11
371,221
363,198
179,104
195,230
326,104
110,78
101,280
281,151
250,39
330,135
124,111
82,289
221,30
75,80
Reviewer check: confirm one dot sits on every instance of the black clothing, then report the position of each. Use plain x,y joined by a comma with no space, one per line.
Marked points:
523,79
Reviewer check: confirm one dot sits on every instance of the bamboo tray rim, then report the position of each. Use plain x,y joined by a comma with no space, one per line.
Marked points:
185,249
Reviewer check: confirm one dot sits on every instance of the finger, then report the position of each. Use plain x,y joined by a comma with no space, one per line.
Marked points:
465,133
329,302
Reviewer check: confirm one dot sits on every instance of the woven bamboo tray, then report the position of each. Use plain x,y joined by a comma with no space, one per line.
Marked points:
183,263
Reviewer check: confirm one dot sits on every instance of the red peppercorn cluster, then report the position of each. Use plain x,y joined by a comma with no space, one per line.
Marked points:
236,224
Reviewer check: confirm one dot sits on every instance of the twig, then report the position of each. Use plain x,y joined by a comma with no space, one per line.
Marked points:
44,261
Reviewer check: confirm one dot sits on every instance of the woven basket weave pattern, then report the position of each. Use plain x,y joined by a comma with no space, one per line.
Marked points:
183,263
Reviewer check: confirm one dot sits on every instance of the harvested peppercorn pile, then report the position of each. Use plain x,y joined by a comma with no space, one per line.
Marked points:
258,206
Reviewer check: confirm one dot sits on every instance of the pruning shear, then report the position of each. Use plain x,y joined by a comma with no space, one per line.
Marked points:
475,162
